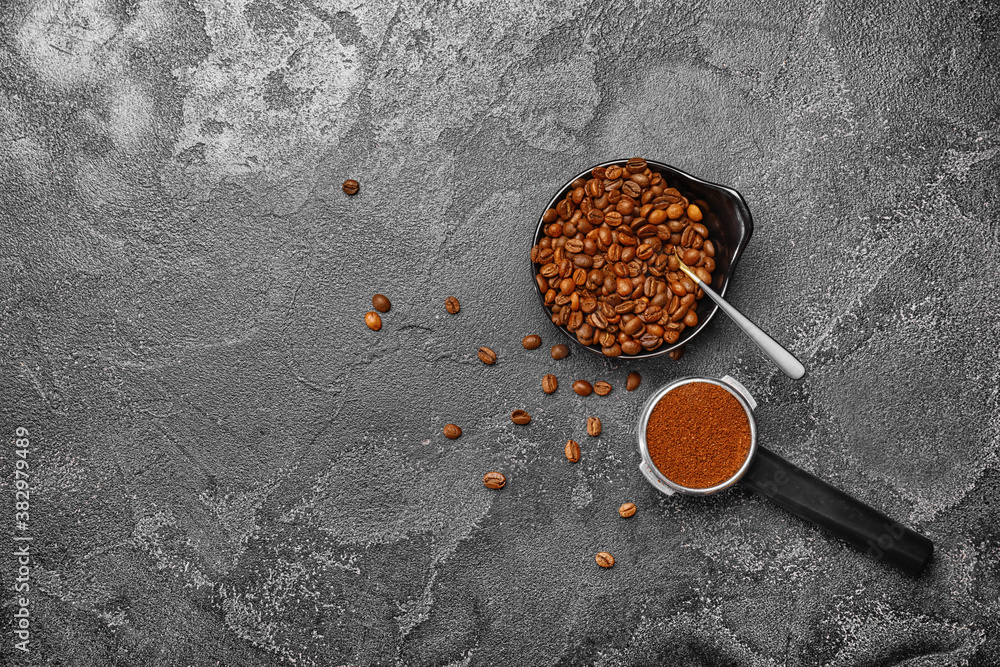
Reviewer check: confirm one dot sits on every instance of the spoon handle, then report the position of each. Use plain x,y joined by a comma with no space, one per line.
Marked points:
782,358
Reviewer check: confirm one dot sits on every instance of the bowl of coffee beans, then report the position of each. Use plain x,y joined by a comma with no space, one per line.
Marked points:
605,262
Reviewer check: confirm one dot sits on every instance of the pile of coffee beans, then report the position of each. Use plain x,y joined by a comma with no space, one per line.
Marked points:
607,265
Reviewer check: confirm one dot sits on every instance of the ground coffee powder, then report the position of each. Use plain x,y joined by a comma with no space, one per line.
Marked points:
698,435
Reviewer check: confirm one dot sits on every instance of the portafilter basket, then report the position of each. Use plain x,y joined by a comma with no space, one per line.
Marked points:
801,493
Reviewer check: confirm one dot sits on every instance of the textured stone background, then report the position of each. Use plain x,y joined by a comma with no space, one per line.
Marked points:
229,468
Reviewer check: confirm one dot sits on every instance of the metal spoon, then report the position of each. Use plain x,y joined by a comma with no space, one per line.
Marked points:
781,357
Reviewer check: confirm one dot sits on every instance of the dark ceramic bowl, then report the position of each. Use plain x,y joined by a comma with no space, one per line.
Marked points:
729,226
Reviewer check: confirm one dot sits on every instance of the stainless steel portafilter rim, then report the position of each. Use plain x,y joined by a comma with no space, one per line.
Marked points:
653,474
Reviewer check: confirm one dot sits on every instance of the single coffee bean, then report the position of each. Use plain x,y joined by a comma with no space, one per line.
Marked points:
694,213
452,306
351,186
550,216
560,351
451,431
633,381
635,165
572,451
677,354
602,388
631,347
593,426
604,559
373,321
531,342
494,480
487,356
550,383
520,417
583,388
381,303
626,510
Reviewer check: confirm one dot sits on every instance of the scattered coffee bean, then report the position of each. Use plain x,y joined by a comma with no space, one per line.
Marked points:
451,431
520,417
633,381
608,265
572,451
495,480
627,510
604,559
602,388
381,303
583,388
351,186
678,353
550,383
487,356
531,342
373,321
452,305
560,351
593,426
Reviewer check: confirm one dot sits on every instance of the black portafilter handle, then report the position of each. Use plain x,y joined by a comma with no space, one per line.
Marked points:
809,497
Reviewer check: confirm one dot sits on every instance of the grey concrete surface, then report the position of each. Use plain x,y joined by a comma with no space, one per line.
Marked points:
228,468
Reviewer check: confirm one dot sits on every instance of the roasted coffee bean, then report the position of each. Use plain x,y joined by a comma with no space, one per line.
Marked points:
487,356
531,342
549,384
691,257
650,342
633,327
631,347
451,305
520,417
694,213
602,388
593,426
631,188
626,510
451,431
700,229
691,319
635,165
625,307
583,388
633,381
708,248
351,186
560,351
550,216
612,351
703,275
678,353
604,559
572,451
381,303
373,321
494,480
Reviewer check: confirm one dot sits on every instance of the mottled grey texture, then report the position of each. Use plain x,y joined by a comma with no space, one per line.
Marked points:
229,468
